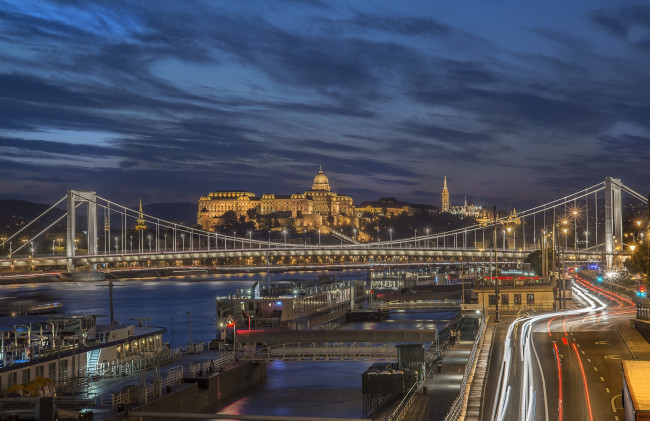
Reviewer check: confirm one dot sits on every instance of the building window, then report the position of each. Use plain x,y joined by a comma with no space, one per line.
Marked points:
492,299
530,298
13,379
517,299
40,371
504,299
51,371
26,376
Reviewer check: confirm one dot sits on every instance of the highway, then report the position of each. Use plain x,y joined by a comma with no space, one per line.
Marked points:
562,365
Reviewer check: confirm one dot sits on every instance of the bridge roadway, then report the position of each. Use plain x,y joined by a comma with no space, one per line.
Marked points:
370,252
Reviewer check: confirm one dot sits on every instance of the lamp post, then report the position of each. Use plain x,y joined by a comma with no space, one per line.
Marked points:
183,238
284,234
563,273
53,247
116,245
510,229
496,283
354,231
319,236
504,240
10,251
390,232
165,242
575,229
428,239
149,238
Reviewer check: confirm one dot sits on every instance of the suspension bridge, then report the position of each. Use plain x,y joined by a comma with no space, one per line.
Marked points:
586,225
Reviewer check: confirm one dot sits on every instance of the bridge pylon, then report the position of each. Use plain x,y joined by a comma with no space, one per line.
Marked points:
90,198
613,219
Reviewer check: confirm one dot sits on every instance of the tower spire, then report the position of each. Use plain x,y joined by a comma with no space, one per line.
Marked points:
445,197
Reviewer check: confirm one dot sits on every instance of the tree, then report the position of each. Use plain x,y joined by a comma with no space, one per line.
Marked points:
638,262
535,260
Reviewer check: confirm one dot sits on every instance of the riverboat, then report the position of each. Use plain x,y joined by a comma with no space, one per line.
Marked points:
290,304
67,347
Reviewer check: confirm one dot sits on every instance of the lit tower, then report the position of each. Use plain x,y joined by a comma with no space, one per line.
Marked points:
445,197
142,225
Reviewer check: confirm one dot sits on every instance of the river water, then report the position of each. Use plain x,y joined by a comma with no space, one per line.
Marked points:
328,389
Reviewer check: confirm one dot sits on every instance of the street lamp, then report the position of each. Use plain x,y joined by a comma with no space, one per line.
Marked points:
149,238
319,236
390,231
115,245
428,239
284,234
354,230
504,240
165,242
510,229
131,243
183,238
53,247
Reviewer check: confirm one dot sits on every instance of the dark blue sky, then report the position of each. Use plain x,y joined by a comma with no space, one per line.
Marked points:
515,102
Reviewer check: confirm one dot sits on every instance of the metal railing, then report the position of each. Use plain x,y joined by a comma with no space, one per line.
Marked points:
419,304
457,406
175,375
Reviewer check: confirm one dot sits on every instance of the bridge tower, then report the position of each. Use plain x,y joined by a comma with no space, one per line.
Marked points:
613,219
90,198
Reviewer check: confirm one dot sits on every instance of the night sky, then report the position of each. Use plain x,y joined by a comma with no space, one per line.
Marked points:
516,102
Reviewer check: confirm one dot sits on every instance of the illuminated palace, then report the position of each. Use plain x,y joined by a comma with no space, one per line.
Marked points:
312,209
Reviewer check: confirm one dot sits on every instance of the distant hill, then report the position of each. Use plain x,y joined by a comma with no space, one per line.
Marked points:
173,212
16,213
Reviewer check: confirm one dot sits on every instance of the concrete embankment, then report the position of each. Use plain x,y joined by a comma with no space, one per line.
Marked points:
204,394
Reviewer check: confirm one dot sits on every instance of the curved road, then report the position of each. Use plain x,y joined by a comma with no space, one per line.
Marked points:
563,365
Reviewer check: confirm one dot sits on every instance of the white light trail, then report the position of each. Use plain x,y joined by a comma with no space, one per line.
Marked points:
526,348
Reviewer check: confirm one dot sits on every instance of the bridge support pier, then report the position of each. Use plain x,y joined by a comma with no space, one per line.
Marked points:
90,198
613,219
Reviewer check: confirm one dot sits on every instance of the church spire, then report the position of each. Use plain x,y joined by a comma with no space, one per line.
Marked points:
445,197
141,225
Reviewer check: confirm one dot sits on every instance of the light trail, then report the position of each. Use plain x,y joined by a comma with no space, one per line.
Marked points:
559,378
584,381
526,348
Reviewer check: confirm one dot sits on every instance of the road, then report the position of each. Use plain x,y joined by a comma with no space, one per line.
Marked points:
564,365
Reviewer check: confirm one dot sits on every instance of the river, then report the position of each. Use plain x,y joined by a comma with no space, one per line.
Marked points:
328,389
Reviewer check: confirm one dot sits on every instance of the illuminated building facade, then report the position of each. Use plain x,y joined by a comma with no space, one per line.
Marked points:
311,209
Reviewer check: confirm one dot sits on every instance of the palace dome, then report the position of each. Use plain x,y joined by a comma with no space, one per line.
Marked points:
321,182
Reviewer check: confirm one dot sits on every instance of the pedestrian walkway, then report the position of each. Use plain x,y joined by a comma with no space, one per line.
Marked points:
441,390
476,384
636,343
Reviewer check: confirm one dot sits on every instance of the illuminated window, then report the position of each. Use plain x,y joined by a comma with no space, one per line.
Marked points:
530,298
517,298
